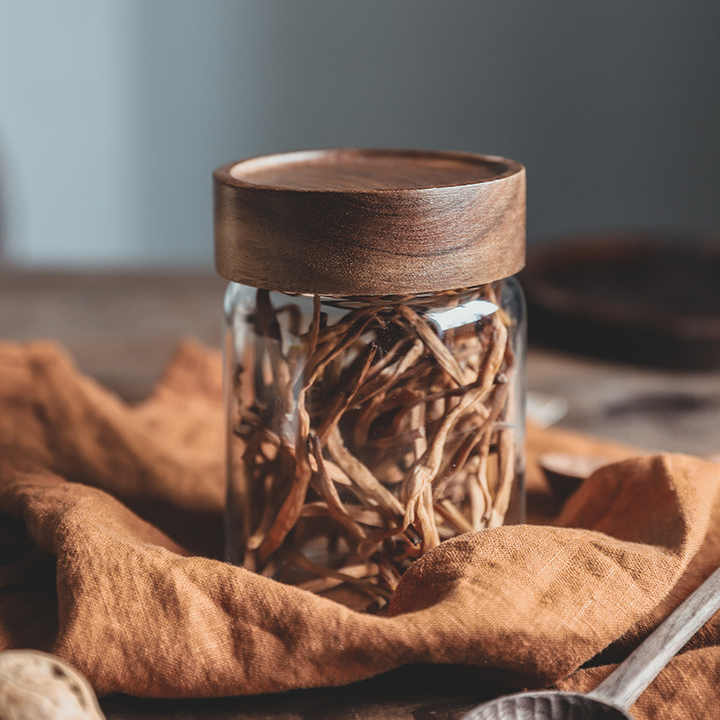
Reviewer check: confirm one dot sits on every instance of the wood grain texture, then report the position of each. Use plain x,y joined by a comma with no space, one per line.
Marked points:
369,222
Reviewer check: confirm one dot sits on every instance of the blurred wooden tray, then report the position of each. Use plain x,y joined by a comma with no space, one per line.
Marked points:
650,298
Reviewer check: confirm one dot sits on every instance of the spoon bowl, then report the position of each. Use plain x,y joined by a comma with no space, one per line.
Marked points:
547,705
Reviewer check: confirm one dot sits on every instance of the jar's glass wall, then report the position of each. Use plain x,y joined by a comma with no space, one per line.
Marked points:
362,432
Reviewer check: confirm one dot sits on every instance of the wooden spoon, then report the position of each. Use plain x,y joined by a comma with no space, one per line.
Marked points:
612,698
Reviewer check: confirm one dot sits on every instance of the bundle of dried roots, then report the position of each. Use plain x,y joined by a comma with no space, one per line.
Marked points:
375,433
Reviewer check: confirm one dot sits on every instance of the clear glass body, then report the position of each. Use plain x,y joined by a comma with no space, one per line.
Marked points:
362,432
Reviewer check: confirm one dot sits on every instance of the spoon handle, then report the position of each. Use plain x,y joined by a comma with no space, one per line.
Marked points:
642,666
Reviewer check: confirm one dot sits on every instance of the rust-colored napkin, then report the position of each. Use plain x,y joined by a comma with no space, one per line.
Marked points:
106,511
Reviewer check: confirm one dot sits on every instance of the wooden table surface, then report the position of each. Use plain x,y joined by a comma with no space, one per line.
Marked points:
122,328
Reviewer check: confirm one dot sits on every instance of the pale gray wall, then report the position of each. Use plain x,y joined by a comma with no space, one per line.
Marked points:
114,112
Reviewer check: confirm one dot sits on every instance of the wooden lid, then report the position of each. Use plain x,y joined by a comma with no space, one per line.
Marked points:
369,222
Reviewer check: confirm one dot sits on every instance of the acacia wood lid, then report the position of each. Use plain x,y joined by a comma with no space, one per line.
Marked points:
369,222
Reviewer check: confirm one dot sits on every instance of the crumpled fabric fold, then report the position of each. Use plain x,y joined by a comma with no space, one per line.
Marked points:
111,523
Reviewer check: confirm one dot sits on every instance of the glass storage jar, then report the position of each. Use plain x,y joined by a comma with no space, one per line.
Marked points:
374,354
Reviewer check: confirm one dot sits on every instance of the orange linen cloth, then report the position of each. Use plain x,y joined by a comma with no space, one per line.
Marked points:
107,511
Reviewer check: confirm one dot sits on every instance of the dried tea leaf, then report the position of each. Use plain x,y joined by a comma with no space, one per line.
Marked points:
361,476
434,344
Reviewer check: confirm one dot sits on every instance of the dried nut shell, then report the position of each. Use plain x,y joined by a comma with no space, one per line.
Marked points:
38,686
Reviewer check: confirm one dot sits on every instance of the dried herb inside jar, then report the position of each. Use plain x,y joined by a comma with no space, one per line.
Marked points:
373,436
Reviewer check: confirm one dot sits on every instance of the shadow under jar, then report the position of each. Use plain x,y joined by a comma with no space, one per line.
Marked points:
374,360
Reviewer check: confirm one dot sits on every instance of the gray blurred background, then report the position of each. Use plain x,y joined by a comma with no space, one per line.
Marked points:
113,113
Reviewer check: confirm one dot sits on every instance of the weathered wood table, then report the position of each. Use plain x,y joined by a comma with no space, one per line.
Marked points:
122,328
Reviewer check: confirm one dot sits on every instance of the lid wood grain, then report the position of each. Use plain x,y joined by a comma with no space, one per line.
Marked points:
369,222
